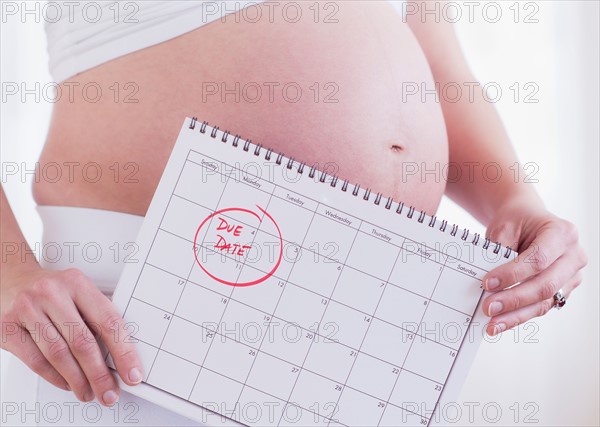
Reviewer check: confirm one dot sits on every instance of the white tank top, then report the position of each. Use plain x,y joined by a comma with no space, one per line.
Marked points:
84,34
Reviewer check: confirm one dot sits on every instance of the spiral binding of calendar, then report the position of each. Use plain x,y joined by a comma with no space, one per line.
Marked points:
410,211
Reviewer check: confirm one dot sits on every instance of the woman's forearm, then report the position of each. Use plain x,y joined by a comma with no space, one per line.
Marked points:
484,172
17,256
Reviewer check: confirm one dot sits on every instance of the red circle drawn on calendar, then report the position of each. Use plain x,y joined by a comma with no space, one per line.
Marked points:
254,214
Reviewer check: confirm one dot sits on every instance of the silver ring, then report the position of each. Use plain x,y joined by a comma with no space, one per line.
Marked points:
559,300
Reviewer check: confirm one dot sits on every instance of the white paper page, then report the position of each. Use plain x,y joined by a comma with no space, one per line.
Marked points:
272,297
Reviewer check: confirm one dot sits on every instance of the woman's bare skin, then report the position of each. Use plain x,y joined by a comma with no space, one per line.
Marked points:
371,134
350,111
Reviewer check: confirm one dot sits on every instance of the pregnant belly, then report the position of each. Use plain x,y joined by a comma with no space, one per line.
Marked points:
321,92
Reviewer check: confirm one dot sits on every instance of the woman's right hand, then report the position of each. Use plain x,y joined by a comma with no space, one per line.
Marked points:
46,318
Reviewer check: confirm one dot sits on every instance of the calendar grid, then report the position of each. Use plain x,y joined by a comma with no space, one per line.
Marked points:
231,296
340,308
295,284
272,315
305,369
325,256
304,330
409,349
327,259
322,316
310,290
367,332
334,300
225,310
443,385
172,315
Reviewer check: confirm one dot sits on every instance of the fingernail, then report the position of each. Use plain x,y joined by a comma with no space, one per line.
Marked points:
110,397
500,327
495,308
135,375
492,283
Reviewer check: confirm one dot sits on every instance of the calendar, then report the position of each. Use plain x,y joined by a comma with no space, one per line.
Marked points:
269,292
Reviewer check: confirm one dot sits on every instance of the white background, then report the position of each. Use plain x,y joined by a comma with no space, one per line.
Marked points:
547,370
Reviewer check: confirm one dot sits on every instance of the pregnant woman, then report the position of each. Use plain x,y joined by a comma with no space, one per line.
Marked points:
345,83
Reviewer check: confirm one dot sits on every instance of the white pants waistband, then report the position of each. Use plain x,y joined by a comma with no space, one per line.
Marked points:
97,242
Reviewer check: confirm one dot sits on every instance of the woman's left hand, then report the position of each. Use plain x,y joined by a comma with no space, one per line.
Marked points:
550,259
